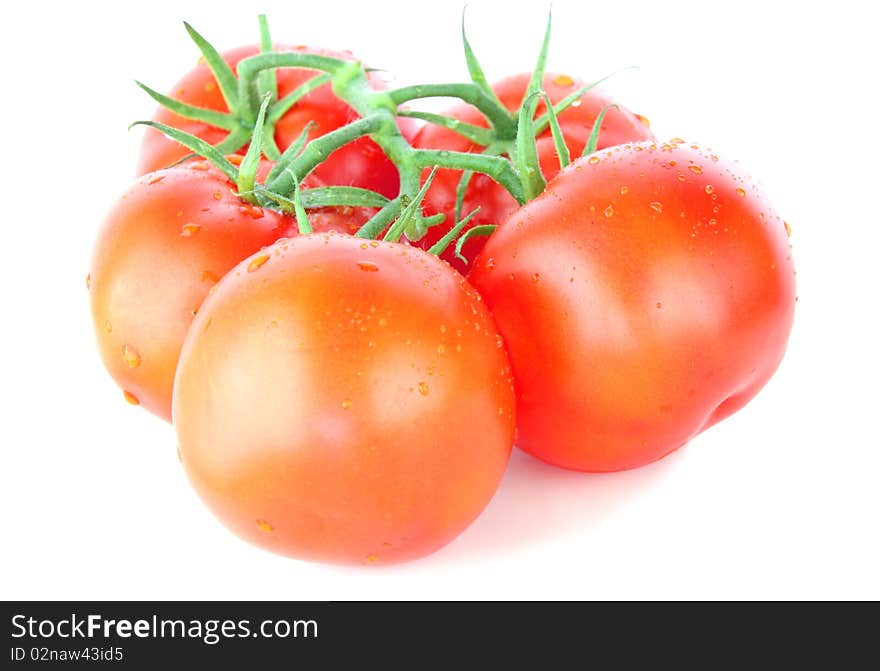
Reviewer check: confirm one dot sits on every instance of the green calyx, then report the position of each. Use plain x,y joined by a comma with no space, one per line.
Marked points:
509,155
243,97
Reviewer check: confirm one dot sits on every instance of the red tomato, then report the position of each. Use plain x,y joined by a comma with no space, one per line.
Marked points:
646,295
344,400
164,244
360,163
162,247
496,203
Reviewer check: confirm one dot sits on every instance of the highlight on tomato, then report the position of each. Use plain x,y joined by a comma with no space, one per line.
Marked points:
647,294
344,400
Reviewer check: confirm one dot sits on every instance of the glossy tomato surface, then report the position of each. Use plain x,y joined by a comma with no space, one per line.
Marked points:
345,401
619,126
360,163
163,245
646,295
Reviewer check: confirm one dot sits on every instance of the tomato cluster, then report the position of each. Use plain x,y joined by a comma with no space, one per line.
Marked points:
345,398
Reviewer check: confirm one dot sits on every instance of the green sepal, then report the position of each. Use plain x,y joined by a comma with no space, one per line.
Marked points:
379,221
476,134
484,230
289,156
526,159
537,80
220,68
443,243
398,227
212,117
302,219
247,171
543,120
475,70
593,140
267,82
280,108
558,138
199,146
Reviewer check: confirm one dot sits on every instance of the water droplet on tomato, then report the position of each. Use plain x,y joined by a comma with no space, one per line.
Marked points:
697,170
264,526
490,263
709,188
441,349
190,230
740,192
423,388
131,357
787,228
563,80
677,140
593,160
657,206
257,262
624,190
155,180
368,266
372,558
576,103
346,404
217,195
131,398
644,120
609,211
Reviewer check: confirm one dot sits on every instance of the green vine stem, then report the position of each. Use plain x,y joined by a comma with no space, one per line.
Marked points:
378,110
508,141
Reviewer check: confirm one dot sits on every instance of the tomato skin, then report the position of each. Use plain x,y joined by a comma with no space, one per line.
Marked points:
162,247
646,295
344,401
618,127
360,163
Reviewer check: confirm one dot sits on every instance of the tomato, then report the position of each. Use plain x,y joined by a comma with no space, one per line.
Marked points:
162,247
344,400
360,163
619,126
647,294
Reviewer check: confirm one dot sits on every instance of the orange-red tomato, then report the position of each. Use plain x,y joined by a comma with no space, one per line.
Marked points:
360,163
343,400
647,294
162,247
619,126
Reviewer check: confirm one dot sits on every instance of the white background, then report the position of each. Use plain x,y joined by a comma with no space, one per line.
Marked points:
779,501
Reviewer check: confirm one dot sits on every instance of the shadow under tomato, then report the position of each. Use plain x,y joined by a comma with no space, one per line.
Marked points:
537,502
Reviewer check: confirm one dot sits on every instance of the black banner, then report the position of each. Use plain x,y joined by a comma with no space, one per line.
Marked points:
415,635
